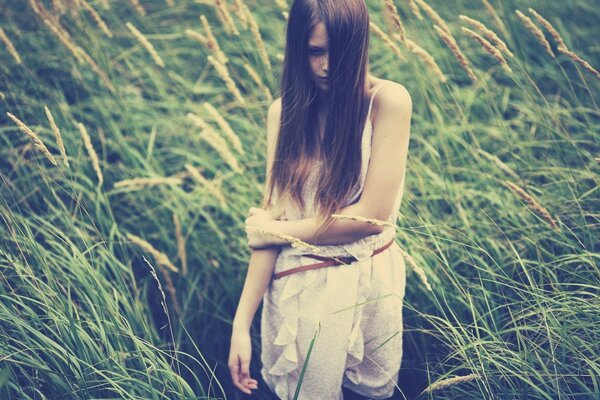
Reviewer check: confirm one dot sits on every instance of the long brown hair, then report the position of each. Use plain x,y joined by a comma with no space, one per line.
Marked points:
347,25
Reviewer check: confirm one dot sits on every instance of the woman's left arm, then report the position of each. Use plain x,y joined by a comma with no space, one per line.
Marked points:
385,176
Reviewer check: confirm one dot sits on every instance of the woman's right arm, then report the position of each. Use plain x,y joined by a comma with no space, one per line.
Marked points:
258,278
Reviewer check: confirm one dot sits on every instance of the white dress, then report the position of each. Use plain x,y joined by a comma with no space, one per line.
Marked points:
354,310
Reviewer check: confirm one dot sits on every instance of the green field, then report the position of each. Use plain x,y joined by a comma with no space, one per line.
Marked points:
113,288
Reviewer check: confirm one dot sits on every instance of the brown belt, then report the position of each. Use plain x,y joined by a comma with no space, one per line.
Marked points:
326,261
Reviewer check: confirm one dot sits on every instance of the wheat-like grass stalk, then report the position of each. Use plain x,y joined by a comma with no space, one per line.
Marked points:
225,127
387,40
489,47
198,121
549,27
2,96
219,144
10,47
209,185
105,4
427,58
138,7
532,203
36,140
224,74
160,257
393,13
415,9
225,16
147,182
62,35
488,33
91,152
445,383
434,15
579,60
145,44
57,136
294,241
254,29
418,270
497,20
99,21
180,245
372,221
258,80
537,32
499,163
282,4
453,46
597,159
238,6
212,43
197,36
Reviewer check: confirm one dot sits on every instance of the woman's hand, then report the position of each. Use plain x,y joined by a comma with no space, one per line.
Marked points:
240,353
261,219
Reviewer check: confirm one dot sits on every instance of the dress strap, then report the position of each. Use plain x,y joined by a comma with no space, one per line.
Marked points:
372,97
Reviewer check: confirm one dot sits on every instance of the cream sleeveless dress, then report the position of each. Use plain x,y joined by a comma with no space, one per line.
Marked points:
354,310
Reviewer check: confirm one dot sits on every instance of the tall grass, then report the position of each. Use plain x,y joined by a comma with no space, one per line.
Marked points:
499,216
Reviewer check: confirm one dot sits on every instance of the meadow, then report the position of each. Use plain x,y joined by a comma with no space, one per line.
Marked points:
132,143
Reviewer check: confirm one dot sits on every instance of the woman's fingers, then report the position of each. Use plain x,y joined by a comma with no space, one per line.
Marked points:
240,379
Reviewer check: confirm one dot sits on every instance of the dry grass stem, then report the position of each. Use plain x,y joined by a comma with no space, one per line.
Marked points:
579,60
160,257
57,136
282,4
257,79
99,21
358,218
207,184
537,32
180,245
415,9
2,96
434,15
224,74
238,6
443,384
488,33
393,13
64,37
105,4
294,241
597,159
427,59
497,20
532,203
138,7
489,48
225,127
146,182
499,163
387,40
549,27
453,46
226,18
254,29
91,152
146,44
212,43
36,140
197,36
219,144
418,270
9,46
198,121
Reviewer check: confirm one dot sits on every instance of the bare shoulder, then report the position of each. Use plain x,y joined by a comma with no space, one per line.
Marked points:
275,109
392,101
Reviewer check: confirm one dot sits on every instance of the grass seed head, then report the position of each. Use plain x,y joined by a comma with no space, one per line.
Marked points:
57,136
36,140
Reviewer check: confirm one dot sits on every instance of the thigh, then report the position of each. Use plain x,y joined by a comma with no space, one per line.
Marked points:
382,329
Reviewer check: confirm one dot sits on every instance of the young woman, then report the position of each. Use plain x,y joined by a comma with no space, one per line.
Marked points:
337,143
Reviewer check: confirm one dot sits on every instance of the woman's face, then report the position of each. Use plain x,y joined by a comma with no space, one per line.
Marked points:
318,57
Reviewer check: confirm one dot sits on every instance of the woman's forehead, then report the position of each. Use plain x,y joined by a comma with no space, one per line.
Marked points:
318,36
